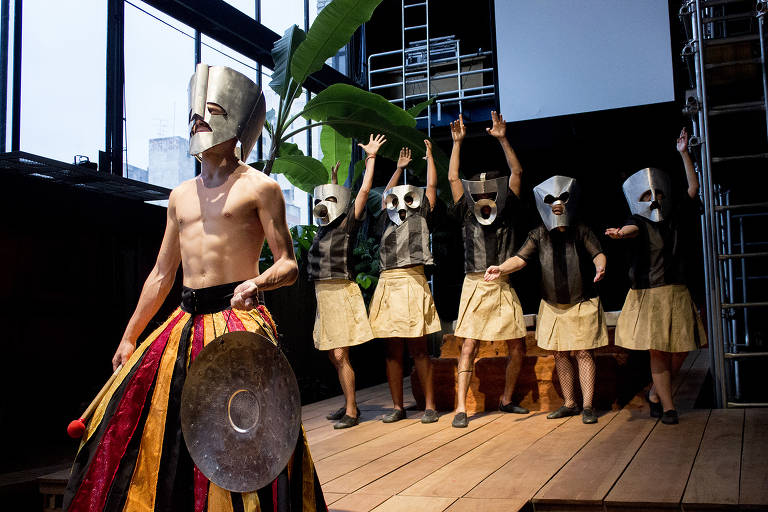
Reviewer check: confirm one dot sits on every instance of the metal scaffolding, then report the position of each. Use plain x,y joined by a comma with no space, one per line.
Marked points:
723,36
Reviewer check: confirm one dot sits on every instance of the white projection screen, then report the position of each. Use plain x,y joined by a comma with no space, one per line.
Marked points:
558,57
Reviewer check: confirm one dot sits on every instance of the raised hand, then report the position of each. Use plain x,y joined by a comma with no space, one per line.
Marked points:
499,127
492,273
405,158
682,141
335,173
458,130
374,144
428,150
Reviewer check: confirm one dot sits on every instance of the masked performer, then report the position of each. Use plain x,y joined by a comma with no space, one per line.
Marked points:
341,320
570,315
133,455
487,205
402,309
658,314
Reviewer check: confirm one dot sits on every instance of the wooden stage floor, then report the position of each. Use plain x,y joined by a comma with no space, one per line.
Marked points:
714,459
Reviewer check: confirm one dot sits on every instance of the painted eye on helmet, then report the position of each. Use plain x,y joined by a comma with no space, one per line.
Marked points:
331,199
317,201
564,197
549,199
646,197
215,109
408,199
391,202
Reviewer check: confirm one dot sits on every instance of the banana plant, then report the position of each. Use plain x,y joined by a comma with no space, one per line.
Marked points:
344,112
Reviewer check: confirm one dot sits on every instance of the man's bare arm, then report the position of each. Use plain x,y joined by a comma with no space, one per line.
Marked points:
156,287
371,149
431,191
458,131
499,130
690,172
509,266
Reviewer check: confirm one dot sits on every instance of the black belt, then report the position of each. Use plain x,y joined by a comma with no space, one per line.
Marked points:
204,301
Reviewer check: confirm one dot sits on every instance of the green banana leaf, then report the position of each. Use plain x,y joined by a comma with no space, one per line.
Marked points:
417,109
336,148
342,100
303,172
282,52
358,171
331,30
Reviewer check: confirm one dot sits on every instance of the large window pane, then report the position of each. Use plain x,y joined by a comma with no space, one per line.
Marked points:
63,81
281,14
246,6
159,60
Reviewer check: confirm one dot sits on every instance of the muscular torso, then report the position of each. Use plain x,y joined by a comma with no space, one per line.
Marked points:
220,234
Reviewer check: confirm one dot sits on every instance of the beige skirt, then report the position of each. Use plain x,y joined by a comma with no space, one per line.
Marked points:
341,319
402,305
489,311
662,318
563,327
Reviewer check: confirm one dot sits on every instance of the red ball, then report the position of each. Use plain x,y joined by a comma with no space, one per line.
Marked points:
76,429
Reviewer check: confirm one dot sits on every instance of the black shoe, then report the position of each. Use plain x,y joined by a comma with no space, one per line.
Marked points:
669,417
395,415
656,408
511,407
336,415
460,420
588,416
430,416
563,412
347,421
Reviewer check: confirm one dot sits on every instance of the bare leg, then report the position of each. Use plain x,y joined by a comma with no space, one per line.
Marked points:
567,376
340,359
678,358
516,350
587,372
395,370
417,347
662,377
466,365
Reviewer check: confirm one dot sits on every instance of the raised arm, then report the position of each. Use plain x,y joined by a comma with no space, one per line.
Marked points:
431,192
371,149
513,264
271,210
499,130
690,172
156,287
402,163
458,131
335,174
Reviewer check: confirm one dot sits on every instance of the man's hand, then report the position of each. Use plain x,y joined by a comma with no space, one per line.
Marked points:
428,150
614,233
245,296
682,141
374,143
492,273
599,274
458,130
123,352
335,173
405,158
499,127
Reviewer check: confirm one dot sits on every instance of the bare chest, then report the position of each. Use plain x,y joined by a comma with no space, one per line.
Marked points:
212,209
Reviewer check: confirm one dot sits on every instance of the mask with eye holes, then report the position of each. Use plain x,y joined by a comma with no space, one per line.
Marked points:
331,201
486,198
229,105
561,192
402,202
648,193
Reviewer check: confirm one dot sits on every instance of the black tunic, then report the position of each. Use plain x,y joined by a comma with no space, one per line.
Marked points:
486,245
331,253
567,269
407,244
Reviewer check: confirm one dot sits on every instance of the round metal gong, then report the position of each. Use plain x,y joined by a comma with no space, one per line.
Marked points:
240,411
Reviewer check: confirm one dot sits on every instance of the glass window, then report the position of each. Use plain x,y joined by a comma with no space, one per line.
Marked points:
279,15
246,6
63,81
159,61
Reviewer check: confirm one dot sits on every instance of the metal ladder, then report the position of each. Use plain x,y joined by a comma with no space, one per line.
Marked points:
730,231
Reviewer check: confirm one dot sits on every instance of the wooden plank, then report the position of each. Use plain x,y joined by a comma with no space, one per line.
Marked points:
714,480
357,503
411,503
332,497
659,471
456,478
588,477
323,407
524,475
686,394
355,436
754,461
483,505
348,460
366,474
414,471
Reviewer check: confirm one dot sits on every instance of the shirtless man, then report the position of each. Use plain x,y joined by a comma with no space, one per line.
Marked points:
133,454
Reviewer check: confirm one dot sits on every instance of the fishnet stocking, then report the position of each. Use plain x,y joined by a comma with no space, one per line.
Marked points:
587,373
567,375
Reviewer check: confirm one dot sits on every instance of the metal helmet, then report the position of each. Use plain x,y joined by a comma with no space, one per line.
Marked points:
402,198
498,187
557,190
240,114
656,184
331,201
